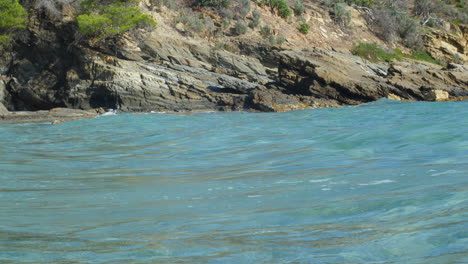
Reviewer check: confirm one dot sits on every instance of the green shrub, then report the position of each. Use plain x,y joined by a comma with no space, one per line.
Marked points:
192,22
214,3
244,7
255,19
304,28
265,31
298,7
281,5
341,14
240,28
280,40
276,40
12,16
372,52
111,20
284,11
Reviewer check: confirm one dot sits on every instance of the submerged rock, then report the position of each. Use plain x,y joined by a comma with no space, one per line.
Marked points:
54,116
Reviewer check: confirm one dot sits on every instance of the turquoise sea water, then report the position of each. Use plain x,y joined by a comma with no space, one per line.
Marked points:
385,182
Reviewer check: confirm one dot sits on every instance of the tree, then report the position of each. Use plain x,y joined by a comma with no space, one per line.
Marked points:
103,21
13,16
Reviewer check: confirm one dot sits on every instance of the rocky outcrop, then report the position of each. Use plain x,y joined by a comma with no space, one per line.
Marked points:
50,70
447,46
345,79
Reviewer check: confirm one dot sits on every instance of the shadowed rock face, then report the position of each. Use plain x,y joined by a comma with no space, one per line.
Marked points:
49,70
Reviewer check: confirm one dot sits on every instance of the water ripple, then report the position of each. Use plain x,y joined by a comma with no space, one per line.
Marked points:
379,183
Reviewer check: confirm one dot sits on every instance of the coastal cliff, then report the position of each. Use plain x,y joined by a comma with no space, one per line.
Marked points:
50,68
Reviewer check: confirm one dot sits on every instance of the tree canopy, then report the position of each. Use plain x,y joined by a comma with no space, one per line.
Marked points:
13,16
103,19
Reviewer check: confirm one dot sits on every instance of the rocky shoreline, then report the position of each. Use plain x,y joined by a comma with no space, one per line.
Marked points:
159,74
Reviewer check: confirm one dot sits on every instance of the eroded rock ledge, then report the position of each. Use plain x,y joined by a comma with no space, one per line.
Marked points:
54,116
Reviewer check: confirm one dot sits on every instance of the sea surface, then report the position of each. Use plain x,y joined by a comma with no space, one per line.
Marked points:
385,182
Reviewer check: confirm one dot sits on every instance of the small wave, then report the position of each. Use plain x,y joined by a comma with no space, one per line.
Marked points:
447,172
376,182
109,112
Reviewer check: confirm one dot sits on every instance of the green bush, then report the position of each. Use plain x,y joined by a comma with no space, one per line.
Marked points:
276,40
265,31
240,28
298,7
193,22
341,14
372,52
304,28
12,16
283,9
280,40
281,5
243,7
213,3
111,20
255,19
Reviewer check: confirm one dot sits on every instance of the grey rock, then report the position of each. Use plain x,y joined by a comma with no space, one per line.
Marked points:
53,116
3,110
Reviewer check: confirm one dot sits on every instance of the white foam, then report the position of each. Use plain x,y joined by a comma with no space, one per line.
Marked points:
254,196
447,172
376,182
326,189
320,180
287,182
109,113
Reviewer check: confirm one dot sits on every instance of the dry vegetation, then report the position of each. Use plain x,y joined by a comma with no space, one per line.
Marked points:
395,22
